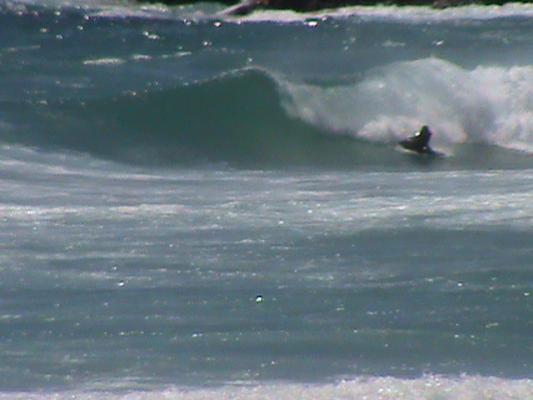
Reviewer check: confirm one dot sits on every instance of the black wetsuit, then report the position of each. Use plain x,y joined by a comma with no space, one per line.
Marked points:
419,142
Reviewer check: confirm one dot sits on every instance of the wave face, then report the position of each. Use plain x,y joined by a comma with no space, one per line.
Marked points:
160,85
237,118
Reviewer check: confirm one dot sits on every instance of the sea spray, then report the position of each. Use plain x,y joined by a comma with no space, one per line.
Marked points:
484,105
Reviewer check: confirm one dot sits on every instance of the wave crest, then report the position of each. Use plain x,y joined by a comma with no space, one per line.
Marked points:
489,105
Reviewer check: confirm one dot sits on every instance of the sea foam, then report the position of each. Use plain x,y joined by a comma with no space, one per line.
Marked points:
489,105
369,388
407,14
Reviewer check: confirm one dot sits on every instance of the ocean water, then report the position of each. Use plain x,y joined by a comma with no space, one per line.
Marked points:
194,206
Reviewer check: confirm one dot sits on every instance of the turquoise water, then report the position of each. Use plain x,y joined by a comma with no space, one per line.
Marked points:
161,168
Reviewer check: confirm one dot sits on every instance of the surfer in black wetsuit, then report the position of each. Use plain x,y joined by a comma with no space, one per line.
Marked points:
419,142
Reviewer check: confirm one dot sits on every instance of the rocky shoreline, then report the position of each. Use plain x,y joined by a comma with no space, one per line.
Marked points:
248,6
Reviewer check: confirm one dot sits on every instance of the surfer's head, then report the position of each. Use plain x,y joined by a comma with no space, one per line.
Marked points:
425,131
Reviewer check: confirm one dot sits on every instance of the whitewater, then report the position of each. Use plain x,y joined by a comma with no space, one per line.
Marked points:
197,206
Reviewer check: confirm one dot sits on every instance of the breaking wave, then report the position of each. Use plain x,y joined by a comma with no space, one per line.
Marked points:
490,105
481,118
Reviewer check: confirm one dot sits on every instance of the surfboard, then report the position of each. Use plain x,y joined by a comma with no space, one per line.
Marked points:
428,152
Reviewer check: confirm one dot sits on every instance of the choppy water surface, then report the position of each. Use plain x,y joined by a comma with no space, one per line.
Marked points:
160,168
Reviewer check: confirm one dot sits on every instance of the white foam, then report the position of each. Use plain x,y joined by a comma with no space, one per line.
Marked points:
488,104
64,3
121,11
109,61
118,8
409,14
370,388
141,57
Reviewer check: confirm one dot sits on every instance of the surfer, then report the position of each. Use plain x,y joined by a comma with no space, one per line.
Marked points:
419,142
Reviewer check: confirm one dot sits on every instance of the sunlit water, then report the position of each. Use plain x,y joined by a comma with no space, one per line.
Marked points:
161,168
